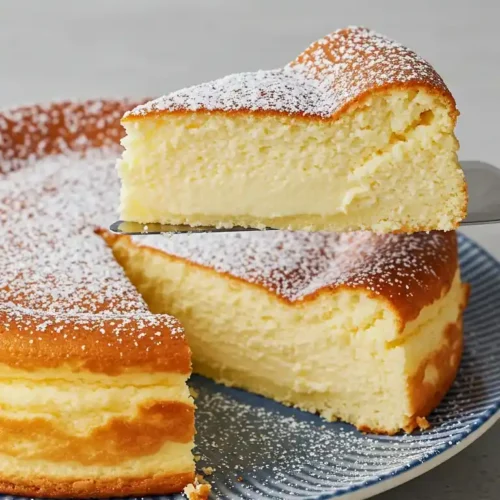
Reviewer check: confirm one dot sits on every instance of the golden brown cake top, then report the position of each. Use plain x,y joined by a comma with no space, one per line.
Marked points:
63,298
325,79
409,270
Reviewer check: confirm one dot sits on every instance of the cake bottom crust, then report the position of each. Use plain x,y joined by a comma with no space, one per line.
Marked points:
97,488
303,222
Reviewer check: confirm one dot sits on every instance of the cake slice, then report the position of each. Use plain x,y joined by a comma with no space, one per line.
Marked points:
360,327
356,133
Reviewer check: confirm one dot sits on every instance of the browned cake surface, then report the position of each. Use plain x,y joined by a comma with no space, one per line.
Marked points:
408,271
63,298
326,79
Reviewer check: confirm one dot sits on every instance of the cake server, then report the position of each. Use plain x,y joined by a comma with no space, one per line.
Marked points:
483,181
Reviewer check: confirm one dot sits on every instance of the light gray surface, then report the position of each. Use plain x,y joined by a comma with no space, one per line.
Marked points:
58,49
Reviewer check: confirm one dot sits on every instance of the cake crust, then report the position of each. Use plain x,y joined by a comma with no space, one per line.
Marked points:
96,488
428,263
424,396
33,340
37,131
332,75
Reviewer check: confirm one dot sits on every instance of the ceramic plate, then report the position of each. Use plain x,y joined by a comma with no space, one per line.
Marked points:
261,449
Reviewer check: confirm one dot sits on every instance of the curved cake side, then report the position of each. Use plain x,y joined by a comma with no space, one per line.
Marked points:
359,327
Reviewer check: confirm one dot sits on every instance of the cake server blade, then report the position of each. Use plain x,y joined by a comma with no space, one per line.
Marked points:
126,227
483,182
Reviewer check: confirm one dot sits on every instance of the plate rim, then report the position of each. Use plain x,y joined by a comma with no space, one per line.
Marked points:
418,467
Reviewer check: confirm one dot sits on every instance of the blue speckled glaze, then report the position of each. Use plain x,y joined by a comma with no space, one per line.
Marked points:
261,449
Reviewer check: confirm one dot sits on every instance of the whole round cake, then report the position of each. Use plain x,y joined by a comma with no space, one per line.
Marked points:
97,330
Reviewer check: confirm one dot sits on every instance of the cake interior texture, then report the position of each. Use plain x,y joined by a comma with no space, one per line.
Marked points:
292,172
88,434
344,354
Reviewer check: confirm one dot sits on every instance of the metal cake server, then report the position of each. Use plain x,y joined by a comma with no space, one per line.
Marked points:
483,182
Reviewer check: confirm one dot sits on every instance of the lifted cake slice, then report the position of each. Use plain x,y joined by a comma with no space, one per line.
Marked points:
356,133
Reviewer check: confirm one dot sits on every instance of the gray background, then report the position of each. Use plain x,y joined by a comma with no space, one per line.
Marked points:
56,49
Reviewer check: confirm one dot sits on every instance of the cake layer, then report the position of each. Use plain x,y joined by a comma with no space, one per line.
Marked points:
325,144
359,327
93,430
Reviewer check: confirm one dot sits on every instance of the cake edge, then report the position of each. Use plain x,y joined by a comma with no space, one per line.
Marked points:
100,488
403,311
385,89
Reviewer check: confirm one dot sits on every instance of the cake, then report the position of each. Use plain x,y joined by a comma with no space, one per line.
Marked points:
93,394
97,329
356,133
359,327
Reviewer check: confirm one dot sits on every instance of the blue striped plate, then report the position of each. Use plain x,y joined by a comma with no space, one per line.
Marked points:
261,449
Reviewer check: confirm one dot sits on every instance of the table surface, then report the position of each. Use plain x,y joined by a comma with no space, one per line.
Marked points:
57,49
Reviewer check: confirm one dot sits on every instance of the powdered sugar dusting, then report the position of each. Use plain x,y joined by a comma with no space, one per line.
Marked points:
295,265
33,132
328,75
58,277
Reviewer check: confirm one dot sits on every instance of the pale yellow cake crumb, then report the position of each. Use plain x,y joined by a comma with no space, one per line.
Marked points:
197,491
324,175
